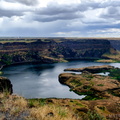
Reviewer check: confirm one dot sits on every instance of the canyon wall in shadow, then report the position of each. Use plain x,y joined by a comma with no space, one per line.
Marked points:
52,50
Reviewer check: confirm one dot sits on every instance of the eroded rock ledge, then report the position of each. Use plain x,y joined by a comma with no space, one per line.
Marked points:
93,85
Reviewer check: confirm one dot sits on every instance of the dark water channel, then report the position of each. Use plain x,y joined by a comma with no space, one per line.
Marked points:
41,80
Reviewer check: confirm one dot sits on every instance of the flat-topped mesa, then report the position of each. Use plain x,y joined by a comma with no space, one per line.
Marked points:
92,69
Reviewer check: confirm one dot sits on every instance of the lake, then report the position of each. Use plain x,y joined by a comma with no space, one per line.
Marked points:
41,80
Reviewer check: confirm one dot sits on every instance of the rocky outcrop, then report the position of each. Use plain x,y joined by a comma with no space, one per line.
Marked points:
91,84
5,85
92,69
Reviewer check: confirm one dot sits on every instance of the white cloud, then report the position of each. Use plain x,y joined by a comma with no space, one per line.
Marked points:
70,34
59,17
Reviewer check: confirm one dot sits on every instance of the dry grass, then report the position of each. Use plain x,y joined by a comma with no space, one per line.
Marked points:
15,106
11,41
51,112
106,61
12,104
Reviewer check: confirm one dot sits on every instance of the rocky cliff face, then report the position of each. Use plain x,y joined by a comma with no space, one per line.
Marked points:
115,44
55,50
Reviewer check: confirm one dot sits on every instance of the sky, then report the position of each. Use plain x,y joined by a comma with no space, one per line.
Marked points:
59,18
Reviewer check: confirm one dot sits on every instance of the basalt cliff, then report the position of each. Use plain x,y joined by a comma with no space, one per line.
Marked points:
53,50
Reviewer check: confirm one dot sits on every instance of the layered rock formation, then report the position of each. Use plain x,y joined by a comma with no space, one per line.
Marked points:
52,50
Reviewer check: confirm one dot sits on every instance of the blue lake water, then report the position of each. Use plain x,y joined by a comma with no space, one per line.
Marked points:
41,80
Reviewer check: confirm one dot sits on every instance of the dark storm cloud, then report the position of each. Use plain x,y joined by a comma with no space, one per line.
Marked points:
55,8
53,12
26,2
9,13
62,16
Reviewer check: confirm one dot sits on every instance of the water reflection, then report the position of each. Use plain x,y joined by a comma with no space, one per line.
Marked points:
41,80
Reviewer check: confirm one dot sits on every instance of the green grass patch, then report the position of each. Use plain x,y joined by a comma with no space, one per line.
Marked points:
75,83
90,98
36,102
100,85
77,103
87,87
93,115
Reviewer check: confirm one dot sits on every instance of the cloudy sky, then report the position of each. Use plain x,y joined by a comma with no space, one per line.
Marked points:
59,18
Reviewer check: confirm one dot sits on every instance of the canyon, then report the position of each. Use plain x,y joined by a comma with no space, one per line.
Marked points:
50,50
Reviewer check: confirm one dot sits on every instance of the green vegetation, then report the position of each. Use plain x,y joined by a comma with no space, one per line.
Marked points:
91,97
75,83
88,76
115,74
100,85
93,115
89,92
6,59
87,87
1,73
36,102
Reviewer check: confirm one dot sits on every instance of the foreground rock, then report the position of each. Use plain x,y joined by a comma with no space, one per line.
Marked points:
92,69
5,85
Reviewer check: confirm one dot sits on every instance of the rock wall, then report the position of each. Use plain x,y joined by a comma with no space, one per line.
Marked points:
52,50
115,44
